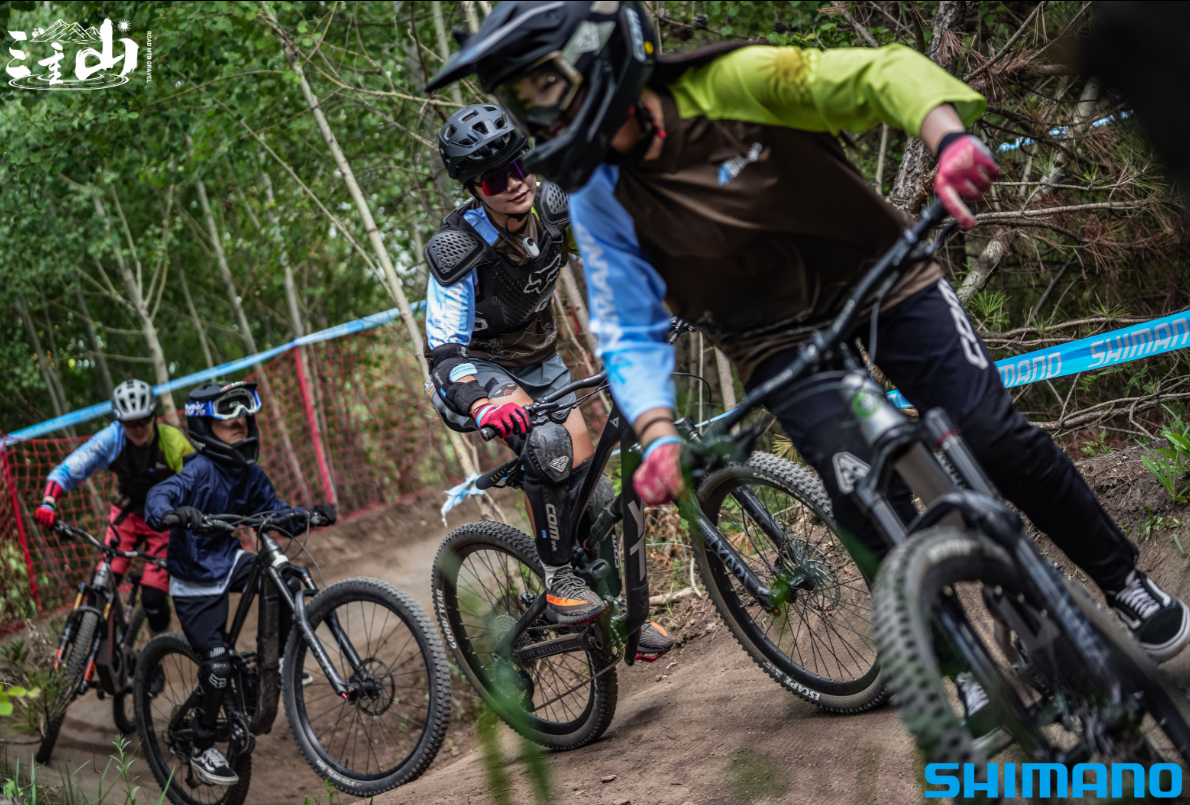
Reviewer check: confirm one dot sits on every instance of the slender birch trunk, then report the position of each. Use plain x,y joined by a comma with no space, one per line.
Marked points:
726,381
249,342
365,213
194,319
469,13
43,361
291,299
444,46
140,307
96,347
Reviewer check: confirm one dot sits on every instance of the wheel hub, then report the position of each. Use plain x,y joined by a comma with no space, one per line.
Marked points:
805,569
373,689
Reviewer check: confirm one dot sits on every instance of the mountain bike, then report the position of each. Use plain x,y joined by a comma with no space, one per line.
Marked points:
363,676
99,645
963,589
764,543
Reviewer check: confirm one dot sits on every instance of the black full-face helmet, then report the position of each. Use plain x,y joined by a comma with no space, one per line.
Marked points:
568,72
212,401
477,139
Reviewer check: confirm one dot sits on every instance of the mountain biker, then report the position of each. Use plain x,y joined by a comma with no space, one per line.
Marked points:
712,182
140,451
221,478
492,341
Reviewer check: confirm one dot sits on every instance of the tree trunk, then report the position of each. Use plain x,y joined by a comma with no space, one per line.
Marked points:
43,361
908,192
291,298
726,381
382,255
194,319
104,375
579,305
139,306
444,46
469,13
250,342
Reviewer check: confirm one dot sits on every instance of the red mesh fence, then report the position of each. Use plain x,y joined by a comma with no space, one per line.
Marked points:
344,421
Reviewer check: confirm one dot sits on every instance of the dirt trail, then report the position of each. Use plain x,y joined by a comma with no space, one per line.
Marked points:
705,726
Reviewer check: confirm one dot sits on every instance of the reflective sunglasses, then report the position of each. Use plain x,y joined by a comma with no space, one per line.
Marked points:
496,182
539,98
232,405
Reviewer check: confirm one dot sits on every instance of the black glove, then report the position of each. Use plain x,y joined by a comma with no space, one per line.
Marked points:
327,512
186,517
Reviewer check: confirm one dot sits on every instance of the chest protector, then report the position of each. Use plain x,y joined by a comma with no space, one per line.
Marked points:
507,296
137,470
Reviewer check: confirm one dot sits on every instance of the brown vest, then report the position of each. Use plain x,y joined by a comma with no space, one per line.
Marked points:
758,231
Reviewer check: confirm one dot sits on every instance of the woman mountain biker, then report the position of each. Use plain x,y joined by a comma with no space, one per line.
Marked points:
492,341
221,478
141,452
713,182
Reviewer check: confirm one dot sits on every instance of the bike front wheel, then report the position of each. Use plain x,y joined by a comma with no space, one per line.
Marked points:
486,575
388,730
819,644
164,694
1044,706
68,677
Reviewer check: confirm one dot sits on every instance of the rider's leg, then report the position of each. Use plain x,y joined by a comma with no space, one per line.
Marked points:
155,580
927,347
122,534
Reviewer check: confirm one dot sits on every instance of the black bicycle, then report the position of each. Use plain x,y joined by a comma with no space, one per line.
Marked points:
764,544
100,642
363,675
965,590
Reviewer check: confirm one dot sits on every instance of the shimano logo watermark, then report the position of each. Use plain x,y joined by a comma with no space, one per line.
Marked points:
1046,780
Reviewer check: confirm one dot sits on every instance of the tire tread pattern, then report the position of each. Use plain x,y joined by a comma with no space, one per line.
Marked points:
80,651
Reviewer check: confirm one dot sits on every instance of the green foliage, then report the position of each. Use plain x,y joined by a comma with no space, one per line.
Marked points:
26,787
1097,446
1170,464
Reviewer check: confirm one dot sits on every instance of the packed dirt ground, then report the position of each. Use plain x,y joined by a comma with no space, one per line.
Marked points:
703,726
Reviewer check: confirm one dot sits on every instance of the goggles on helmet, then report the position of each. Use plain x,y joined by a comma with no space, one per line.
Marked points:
232,405
496,182
539,98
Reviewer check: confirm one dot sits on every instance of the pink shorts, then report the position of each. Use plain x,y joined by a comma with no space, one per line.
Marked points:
126,536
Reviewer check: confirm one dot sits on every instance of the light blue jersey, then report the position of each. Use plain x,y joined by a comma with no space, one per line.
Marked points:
625,294
97,453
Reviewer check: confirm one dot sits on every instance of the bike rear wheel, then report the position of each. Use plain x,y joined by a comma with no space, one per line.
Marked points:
953,566
390,733
72,667
123,711
484,577
166,679
820,646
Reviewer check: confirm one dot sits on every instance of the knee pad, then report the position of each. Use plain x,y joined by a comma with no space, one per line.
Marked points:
156,605
215,670
549,453
551,505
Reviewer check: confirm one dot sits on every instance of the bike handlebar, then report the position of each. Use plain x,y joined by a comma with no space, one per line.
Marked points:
230,522
69,532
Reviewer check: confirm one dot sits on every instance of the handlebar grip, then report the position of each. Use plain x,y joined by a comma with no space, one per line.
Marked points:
487,433
170,520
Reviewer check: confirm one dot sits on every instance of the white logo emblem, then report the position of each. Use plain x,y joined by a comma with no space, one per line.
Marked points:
971,350
586,38
849,470
732,167
91,66
559,464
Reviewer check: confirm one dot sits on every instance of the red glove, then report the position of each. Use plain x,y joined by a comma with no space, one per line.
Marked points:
507,419
658,480
45,514
966,169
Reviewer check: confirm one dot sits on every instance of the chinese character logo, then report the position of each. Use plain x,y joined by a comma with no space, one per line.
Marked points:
93,69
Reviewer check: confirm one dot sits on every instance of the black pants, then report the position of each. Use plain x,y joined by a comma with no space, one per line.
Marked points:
927,347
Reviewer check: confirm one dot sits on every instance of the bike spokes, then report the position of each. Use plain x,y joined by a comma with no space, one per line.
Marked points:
823,604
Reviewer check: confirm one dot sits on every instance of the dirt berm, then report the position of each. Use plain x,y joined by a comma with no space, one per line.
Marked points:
704,726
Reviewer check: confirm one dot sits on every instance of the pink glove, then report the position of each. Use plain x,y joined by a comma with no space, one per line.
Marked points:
966,169
507,419
45,514
658,480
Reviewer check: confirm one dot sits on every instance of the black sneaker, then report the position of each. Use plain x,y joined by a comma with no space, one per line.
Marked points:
654,642
571,601
211,767
1160,622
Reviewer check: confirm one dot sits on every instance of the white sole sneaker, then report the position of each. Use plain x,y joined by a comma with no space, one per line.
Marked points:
1171,648
213,779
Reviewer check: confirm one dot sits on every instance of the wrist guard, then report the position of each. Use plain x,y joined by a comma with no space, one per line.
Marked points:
448,362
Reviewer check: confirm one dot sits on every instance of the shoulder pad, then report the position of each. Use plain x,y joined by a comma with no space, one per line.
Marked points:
551,206
452,253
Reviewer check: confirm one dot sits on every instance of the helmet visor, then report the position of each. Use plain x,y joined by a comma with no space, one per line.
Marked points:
232,405
539,98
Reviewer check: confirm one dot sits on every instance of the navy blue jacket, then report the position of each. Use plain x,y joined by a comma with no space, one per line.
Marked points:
212,489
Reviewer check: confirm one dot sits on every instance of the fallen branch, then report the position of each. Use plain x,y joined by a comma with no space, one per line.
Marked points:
663,599
1007,45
